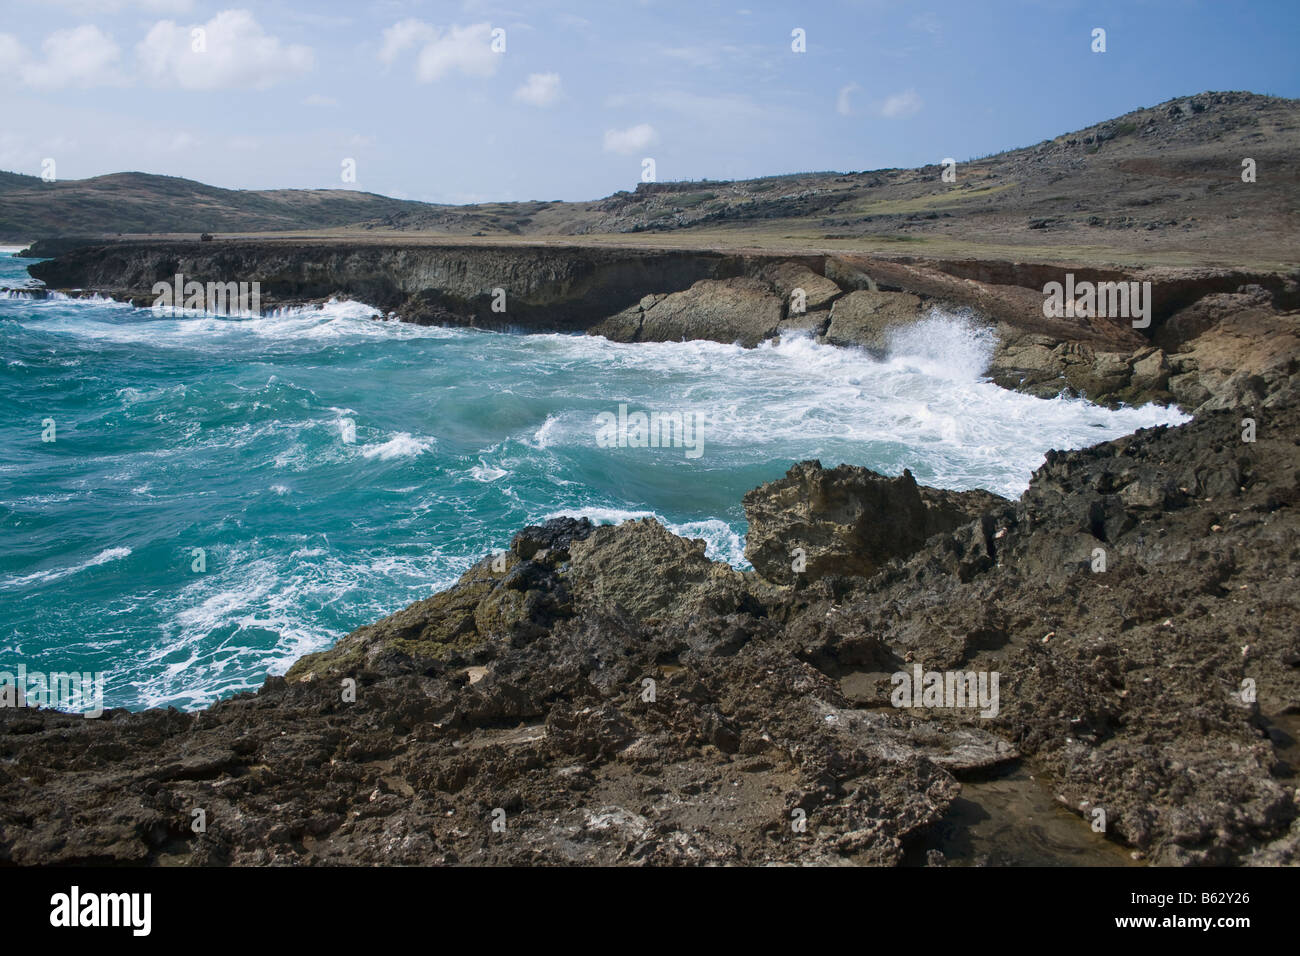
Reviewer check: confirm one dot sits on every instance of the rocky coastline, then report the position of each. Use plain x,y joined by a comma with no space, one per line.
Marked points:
1217,337
609,695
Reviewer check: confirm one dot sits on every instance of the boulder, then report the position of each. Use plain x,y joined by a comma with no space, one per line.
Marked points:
513,597
643,570
1034,364
741,310
866,318
846,521
810,323
785,277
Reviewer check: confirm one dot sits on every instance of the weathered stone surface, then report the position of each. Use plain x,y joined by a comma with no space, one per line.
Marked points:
742,310
894,735
505,597
1244,360
864,318
812,324
1228,336
642,569
785,277
1034,364
846,521
1124,600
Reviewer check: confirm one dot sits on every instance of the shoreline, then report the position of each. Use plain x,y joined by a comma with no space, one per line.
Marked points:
440,692
847,299
522,688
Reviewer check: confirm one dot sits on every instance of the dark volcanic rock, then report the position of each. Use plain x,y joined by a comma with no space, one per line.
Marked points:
1137,603
847,521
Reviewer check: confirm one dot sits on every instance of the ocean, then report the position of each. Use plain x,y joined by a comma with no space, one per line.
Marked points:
222,495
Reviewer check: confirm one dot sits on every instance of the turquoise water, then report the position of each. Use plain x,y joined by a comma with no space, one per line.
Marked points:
228,435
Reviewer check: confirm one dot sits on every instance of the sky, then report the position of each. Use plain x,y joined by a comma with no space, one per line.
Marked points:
475,100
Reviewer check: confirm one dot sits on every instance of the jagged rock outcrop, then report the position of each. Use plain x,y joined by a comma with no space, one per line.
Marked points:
1232,351
1041,366
608,571
511,597
1135,603
847,521
819,292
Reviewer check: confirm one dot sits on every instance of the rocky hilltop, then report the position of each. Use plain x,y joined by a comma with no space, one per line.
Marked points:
145,203
1165,177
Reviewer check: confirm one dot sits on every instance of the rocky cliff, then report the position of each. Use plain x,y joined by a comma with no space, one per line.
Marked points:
1221,336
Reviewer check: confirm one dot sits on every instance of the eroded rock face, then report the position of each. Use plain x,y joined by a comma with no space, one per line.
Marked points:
1126,600
786,277
1042,367
846,521
510,597
866,319
1220,336
611,570
1244,359
743,310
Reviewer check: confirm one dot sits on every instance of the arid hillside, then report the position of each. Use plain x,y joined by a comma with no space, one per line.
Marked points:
1158,186
31,208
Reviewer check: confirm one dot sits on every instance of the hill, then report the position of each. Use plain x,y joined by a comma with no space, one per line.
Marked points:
145,203
1157,185
1164,177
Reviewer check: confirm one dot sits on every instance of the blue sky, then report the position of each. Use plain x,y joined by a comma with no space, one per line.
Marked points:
282,92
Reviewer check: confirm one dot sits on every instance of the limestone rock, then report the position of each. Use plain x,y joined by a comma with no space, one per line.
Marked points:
866,318
741,310
785,277
642,569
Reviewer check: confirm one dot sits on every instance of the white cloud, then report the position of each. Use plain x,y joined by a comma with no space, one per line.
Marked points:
317,100
237,53
403,35
541,89
902,104
630,140
844,101
82,56
465,50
